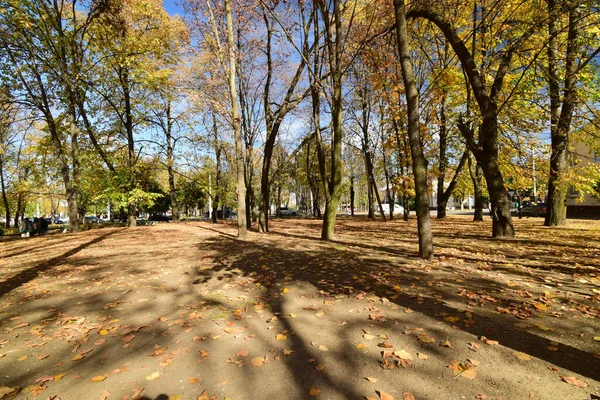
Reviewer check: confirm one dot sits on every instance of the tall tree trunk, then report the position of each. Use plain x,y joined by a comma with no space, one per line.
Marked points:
416,147
443,160
132,208
352,195
237,128
560,118
4,196
217,148
170,163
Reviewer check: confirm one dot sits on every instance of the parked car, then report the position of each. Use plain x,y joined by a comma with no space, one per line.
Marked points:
534,210
286,212
398,209
60,220
90,219
159,217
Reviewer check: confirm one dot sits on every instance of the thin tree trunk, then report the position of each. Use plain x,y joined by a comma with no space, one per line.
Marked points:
416,147
476,177
4,196
237,128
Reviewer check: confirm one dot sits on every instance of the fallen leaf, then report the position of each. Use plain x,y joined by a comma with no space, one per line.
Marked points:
59,376
425,338
243,353
451,319
287,352
22,358
407,396
281,337
446,343
152,376
403,354
385,396
573,381
372,380
314,392
540,306
361,346
105,395
522,356
193,380
257,361
470,373
99,378
369,336
323,348
320,367
422,356
285,290
489,342
77,357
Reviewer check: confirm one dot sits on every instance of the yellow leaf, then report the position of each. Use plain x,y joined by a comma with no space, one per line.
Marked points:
543,327
77,357
511,284
314,392
323,348
597,338
451,319
422,356
549,295
425,338
522,356
369,337
59,376
176,397
103,332
281,337
361,346
23,358
540,306
257,361
285,290
470,373
98,378
446,343
152,376
287,352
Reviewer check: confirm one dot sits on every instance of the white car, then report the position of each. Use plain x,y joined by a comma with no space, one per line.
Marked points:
398,209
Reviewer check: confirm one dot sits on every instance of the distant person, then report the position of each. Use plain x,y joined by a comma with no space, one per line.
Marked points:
37,228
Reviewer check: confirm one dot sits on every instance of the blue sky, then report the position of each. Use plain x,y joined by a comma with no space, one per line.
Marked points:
172,7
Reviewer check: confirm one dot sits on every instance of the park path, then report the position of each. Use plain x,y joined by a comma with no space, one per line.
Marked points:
188,311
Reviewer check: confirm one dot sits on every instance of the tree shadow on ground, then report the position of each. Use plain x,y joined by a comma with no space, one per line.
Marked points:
31,273
332,272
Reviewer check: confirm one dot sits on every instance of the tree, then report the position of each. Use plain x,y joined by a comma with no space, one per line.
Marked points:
419,161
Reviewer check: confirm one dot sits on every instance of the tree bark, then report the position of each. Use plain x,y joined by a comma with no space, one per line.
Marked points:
416,147
560,117
4,196
237,128
477,179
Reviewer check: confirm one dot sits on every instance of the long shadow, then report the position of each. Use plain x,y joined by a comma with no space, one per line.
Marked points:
31,273
331,279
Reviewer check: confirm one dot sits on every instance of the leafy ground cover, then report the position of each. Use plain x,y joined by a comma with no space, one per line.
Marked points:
189,312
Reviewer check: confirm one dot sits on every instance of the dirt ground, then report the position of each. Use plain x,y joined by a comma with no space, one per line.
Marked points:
189,312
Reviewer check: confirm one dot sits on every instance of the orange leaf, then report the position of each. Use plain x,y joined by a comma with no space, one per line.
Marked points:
98,378
385,396
314,392
573,381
